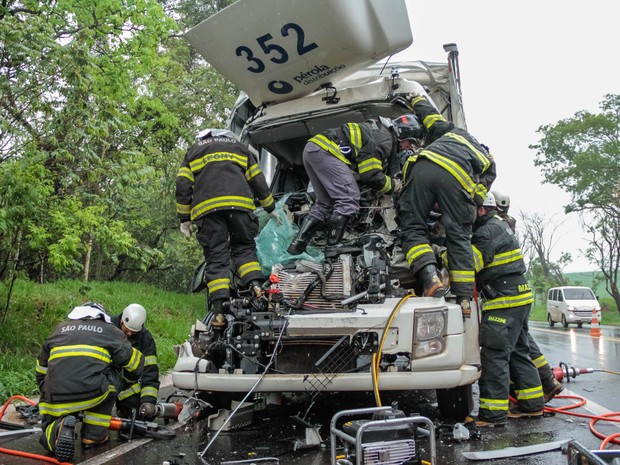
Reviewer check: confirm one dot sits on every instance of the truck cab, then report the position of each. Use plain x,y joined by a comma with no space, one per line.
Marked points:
348,321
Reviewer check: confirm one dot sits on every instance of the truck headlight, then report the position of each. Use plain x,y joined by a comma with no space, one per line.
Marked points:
429,332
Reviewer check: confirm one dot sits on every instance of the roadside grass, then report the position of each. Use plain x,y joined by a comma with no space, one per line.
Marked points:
36,309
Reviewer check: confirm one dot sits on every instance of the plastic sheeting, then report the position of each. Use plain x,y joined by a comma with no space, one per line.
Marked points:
274,238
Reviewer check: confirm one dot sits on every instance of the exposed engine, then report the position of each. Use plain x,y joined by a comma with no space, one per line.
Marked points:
365,268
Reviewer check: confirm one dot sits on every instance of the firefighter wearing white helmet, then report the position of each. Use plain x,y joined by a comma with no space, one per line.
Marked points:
503,204
506,298
140,395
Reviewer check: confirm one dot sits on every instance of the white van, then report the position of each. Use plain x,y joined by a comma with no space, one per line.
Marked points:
572,304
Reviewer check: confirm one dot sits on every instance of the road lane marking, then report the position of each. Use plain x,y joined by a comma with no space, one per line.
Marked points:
568,333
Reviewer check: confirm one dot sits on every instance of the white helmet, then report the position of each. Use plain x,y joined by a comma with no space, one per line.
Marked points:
134,317
489,200
503,201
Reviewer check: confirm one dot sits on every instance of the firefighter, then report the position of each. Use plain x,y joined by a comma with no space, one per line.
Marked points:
503,204
215,189
453,171
551,386
80,368
506,300
333,160
140,395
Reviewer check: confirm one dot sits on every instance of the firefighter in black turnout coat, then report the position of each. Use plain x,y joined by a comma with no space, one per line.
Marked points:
453,171
506,301
336,160
81,368
140,395
215,189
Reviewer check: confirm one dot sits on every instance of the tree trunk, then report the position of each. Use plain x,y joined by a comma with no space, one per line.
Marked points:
89,249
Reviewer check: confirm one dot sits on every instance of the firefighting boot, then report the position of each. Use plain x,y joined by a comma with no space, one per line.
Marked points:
431,281
465,305
64,447
335,229
218,321
306,231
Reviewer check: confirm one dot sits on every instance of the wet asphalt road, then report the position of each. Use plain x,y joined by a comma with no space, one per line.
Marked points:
274,433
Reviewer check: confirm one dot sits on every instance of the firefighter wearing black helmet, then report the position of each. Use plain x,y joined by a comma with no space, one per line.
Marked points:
333,160
449,170
216,187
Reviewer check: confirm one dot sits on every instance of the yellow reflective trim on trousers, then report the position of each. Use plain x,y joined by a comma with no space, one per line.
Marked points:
48,434
330,146
252,171
130,391
220,202
185,172
530,393
266,201
355,136
387,185
540,361
248,268
199,163
462,276
453,168
506,257
40,369
478,260
134,360
183,209
508,301
494,404
479,155
149,391
80,350
56,410
150,360
97,419
369,165
418,250
218,284
432,119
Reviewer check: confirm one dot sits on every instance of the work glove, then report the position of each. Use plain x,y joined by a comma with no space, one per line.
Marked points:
147,411
397,186
186,229
275,217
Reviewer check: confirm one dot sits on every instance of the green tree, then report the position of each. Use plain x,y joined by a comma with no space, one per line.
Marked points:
582,156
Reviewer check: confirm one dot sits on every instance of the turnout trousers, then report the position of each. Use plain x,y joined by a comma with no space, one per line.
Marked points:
336,189
505,355
225,236
95,423
427,185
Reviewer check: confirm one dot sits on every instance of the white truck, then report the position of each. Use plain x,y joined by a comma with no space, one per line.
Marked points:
347,322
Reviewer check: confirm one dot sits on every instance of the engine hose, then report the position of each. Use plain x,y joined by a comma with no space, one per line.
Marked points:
377,356
20,453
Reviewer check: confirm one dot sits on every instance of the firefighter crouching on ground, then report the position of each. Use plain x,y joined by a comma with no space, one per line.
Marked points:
551,386
215,189
454,171
332,160
506,301
79,370
140,395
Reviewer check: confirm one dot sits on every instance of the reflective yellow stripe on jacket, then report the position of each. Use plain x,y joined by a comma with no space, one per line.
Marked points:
509,301
134,360
226,201
56,410
329,146
80,350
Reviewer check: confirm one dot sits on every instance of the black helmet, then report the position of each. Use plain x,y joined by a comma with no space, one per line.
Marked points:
408,127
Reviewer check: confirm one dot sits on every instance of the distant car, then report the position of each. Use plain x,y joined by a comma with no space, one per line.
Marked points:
345,323
572,304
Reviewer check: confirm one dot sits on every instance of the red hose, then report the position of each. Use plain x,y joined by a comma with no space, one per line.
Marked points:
45,458
19,453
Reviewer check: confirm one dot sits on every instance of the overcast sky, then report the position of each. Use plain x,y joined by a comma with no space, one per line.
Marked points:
523,65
